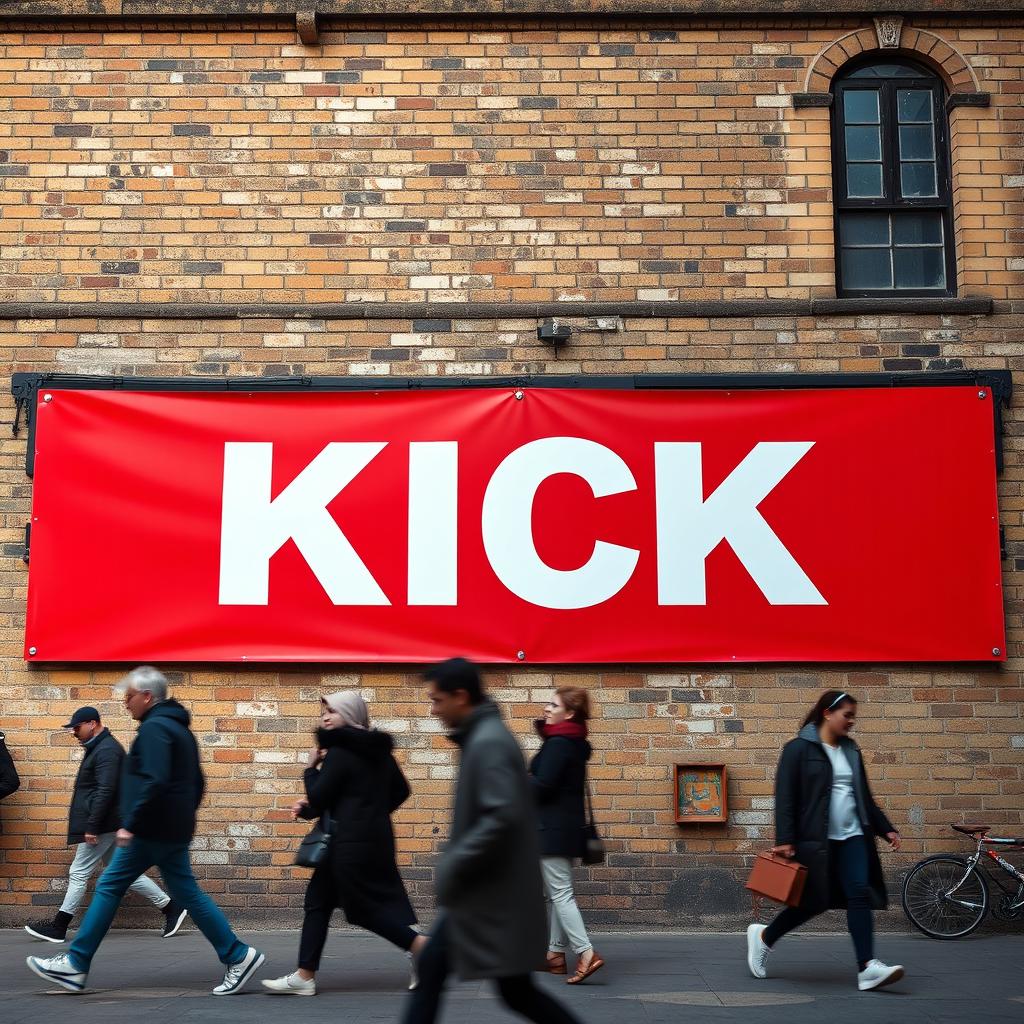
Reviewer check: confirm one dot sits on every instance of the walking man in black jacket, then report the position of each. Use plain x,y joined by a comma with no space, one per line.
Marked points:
92,824
161,788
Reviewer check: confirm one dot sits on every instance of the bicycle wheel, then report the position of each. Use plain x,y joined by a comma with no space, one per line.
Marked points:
943,898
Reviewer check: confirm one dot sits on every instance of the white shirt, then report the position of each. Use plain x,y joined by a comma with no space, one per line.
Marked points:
843,822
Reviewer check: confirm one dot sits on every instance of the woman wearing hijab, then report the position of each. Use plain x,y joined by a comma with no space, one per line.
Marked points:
352,774
558,773
827,819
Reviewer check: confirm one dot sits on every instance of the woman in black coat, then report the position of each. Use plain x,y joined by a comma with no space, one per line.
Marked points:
826,817
353,776
558,774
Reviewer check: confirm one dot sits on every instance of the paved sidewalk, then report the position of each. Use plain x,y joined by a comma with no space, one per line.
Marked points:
649,978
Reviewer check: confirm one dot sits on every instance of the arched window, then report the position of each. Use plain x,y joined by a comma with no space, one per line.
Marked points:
893,202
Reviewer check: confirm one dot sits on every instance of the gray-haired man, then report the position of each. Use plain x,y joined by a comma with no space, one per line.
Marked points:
161,787
92,822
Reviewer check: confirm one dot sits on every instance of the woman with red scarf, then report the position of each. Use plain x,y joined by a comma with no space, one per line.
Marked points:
558,773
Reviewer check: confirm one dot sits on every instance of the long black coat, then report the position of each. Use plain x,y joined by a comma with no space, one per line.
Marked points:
803,791
9,781
94,799
360,784
558,774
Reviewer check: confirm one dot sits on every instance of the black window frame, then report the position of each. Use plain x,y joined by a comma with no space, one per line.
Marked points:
891,200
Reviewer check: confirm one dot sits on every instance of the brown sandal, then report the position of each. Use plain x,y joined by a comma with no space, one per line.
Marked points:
556,964
582,973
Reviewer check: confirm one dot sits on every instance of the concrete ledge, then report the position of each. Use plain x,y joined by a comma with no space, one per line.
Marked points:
968,99
236,9
803,100
699,309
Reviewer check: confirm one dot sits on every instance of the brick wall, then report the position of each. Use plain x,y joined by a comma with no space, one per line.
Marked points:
505,161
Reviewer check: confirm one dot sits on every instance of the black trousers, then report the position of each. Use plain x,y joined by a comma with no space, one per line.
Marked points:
518,993
321,900
848,862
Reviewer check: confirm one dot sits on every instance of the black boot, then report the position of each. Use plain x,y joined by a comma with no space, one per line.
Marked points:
52,931
174,917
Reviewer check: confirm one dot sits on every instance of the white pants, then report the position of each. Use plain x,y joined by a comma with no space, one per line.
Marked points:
87,858
566,921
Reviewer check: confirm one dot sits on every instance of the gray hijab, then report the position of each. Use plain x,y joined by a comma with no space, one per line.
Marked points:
351,706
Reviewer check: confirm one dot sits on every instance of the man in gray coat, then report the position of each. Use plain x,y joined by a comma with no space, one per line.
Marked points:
493,922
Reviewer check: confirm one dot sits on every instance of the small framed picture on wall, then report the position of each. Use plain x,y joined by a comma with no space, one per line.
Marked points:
701,794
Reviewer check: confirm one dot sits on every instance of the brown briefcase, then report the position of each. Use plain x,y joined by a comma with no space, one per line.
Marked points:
778,878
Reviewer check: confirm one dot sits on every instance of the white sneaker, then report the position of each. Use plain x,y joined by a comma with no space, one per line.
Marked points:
59,970
291,984
238,974
876,974
757,951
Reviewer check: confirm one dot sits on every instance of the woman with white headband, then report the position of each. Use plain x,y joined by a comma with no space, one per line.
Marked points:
352,774
826,818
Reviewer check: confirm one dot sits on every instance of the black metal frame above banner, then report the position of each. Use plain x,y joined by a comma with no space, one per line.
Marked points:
26,386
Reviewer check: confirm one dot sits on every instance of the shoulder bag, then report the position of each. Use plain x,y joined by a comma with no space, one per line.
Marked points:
593,844
312,851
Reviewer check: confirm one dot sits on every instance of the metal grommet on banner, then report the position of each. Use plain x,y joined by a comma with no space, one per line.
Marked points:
47,398
521,655
519,396
33,650
983,394
996,652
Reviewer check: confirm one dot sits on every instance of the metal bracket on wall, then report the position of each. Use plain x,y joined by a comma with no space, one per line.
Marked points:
25,386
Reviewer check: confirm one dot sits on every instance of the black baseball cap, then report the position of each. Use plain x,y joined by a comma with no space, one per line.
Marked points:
85,714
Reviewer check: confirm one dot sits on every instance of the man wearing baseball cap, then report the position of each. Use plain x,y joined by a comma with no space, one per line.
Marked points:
93,823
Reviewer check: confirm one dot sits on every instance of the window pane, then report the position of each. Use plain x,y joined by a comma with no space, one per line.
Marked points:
866,268
864,181
860,106
864,229
914,105
863,143
919,268
917,228
916,142
886,71
917,180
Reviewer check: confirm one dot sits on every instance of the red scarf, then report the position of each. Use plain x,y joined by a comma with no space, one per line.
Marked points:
570,729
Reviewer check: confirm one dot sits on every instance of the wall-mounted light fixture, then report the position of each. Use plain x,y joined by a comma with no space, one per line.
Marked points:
554,332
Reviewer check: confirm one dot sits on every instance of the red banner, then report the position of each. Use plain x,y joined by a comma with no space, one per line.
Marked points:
546,525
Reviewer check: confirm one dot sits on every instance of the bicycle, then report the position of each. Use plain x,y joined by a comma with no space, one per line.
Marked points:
947,896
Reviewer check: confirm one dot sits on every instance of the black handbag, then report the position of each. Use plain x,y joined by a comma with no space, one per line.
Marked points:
312,851
593,844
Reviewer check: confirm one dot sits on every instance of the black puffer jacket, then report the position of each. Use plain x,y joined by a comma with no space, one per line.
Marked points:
9,781
803,792
162,784
94,807
558,774
360,784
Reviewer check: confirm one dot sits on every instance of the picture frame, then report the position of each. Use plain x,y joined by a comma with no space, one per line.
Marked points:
701,794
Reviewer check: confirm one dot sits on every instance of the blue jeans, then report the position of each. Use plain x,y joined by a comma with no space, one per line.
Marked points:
848,862
125,866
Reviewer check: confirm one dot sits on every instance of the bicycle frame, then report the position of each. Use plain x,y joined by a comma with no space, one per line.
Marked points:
972,863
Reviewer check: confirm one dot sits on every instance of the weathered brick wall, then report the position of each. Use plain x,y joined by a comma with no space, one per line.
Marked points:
501,161
528,162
